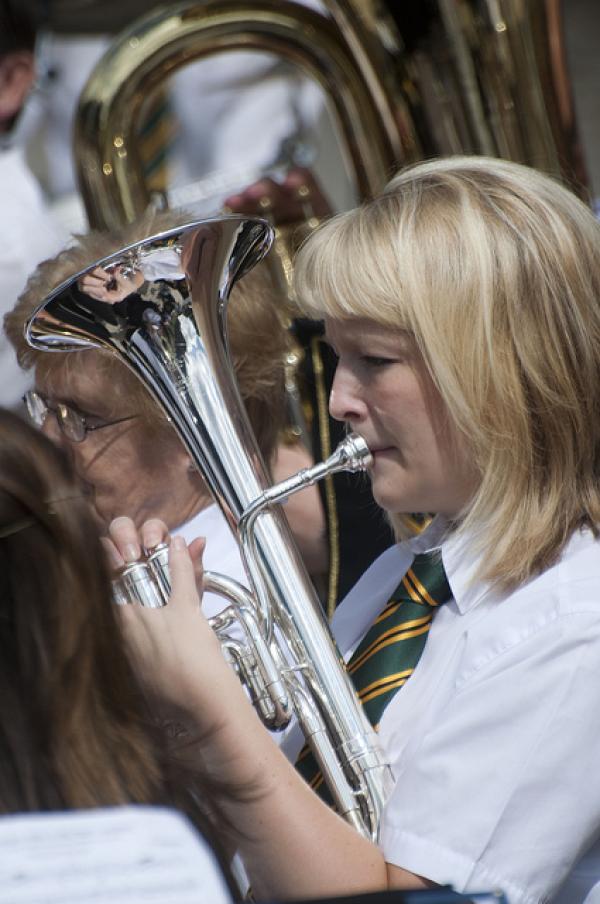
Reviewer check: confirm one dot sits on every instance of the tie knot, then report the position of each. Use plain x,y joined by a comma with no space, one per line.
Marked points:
428,578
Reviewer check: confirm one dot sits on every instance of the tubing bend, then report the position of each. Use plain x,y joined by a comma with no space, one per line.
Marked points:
352,454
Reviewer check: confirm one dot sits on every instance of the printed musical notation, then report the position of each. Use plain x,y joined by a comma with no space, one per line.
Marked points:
126,855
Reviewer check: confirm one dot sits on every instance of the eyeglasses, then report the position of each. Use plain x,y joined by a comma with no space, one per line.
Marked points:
71,423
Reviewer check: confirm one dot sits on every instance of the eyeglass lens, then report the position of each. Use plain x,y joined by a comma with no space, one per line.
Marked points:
69,421
36,408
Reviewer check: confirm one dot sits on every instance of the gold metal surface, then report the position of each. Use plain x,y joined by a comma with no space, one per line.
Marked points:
478,78
157,46
474,77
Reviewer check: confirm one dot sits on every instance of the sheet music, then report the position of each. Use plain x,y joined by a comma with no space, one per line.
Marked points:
124,855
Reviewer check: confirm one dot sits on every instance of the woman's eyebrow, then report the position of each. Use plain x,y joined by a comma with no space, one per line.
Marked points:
61,398
76,405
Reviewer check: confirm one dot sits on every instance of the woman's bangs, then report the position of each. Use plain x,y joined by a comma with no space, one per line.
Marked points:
338,275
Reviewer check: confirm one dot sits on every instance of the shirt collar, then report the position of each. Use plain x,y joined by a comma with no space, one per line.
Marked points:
459,562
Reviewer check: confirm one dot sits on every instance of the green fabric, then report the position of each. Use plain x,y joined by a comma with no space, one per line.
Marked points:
390,650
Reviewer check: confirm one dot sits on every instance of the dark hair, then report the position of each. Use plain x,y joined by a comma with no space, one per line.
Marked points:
19,20
75,730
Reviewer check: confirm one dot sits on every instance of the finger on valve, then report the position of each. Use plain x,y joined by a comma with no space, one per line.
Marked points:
130,542
124,535
127,546
153,533
165,644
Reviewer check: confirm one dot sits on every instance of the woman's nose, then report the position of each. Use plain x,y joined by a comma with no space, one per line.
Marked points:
345,401
51,429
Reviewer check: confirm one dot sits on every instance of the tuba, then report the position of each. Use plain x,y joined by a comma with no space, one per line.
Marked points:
375,127
438,78
172,333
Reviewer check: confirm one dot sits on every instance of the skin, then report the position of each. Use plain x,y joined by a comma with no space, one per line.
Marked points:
381,389
125,469
17,72
303,510
122,467
110,287
383,392
294,200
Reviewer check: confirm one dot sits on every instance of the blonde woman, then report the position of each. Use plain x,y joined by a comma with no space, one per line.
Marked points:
464,306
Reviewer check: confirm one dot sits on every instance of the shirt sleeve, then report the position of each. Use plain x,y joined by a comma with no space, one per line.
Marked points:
502,791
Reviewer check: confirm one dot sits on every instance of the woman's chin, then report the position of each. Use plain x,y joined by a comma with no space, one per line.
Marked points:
388,501
394,502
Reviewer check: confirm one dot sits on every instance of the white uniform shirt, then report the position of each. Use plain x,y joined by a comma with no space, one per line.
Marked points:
238,112
222,554
494,742
28,235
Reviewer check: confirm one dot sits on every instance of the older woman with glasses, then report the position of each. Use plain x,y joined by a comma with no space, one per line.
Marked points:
74,425
125,452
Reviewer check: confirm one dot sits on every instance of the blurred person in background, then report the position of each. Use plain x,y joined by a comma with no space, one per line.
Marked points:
28,233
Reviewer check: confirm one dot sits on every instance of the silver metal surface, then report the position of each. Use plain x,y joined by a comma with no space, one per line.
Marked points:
172,332
139,586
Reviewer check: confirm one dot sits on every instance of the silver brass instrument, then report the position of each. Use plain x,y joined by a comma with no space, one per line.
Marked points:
172,333
257,663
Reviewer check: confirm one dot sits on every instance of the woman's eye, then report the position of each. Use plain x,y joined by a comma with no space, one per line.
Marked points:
376,361
91,420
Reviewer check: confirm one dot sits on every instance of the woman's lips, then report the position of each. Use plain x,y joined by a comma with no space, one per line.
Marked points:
382,451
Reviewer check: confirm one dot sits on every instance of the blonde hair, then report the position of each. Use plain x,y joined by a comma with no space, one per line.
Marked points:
494,269
257,338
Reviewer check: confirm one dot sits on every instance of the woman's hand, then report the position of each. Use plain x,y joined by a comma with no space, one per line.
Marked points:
173,648
297,199
110,286
282,824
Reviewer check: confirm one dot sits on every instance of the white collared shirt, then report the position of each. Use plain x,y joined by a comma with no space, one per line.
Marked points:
28,235
221,555
494,742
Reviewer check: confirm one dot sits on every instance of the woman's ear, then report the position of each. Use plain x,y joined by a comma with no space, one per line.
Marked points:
17,74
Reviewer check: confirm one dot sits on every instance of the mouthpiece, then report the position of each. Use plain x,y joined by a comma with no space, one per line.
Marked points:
352,454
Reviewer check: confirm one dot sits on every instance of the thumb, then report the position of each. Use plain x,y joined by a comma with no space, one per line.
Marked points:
196,551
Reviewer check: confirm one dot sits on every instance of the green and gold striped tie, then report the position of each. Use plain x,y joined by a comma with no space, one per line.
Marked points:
390,650
156,136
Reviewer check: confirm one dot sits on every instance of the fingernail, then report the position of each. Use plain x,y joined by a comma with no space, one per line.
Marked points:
178,543
152,540
131,552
